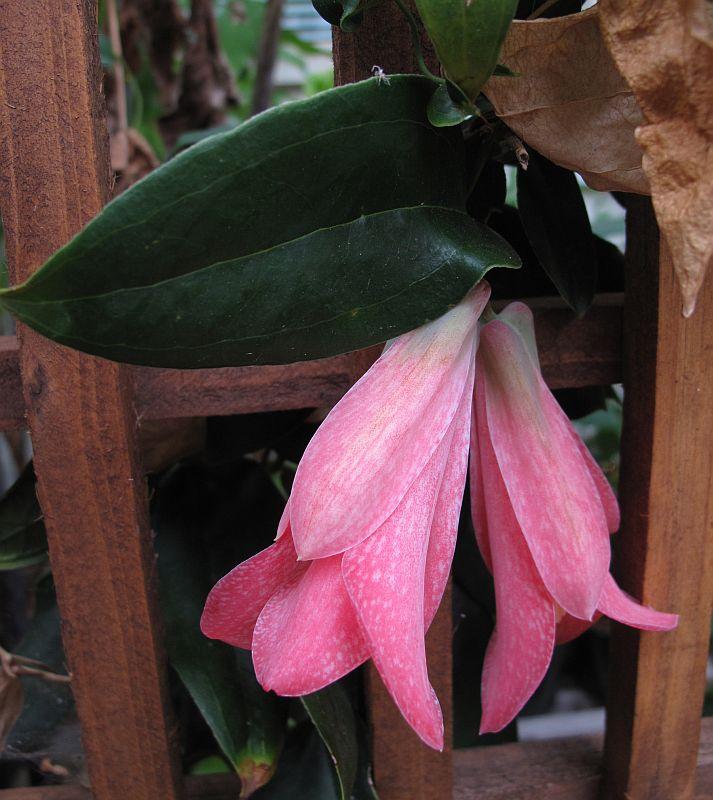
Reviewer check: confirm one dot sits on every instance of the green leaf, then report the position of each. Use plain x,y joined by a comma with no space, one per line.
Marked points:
557,226
331,712
334,290
247,722
22,532
443,111
467,37
315,228
347,14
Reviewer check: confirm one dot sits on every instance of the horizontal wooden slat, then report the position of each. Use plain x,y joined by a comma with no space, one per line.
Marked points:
563,769
573,352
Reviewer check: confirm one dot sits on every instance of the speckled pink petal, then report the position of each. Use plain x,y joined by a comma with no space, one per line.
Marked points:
519,317
384,576
520,648
380,436
284,522
607,497
477,493
552,492
236,601
307,636
570,627
444,528
618,605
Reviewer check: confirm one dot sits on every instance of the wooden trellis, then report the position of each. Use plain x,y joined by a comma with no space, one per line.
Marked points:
84,413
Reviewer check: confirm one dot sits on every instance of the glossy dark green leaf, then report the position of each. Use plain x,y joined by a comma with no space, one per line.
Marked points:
331,712
334,290
315,228
346,14
22,532
443,111
557,226
247,722
467,37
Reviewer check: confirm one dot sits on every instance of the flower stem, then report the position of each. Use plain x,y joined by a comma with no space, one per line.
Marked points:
416,39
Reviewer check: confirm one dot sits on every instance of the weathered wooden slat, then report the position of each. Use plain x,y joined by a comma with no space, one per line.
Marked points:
664,554
573,352
54,169
561,769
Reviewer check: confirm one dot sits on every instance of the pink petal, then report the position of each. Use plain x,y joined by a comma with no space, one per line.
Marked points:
307,636
477,493
380,436
520,648
519,317
607,497
384,576
284,522
570,627
444,529
620,606
553,495
236,601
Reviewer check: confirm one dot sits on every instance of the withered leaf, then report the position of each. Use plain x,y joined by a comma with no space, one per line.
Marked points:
570,102
665,51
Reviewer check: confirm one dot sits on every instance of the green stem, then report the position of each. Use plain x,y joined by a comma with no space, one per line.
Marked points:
416,39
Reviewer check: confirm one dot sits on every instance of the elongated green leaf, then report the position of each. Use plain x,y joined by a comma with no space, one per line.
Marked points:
334,290
347,13
22,532
316,228
247,722
331,712
557,226
467,36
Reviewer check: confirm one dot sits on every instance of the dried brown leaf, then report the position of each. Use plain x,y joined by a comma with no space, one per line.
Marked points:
570,102
665,50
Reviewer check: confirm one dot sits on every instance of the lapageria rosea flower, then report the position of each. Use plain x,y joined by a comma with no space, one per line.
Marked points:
366,542
542,512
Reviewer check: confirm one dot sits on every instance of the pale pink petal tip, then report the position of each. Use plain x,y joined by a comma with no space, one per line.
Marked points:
618,605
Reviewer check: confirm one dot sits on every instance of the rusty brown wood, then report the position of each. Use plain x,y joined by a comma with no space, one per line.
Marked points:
564,769
573,352
664,554
54,170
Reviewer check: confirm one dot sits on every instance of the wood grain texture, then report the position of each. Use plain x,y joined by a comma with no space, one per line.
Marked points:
664,554
55,176
561,769
573,352
404,768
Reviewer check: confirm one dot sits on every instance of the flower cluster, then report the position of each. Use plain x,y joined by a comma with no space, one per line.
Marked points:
364,547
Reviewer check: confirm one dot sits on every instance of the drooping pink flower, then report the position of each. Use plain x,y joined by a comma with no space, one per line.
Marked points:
365,544
542,512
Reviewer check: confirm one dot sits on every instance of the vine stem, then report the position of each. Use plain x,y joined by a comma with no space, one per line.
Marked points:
546,6
416,39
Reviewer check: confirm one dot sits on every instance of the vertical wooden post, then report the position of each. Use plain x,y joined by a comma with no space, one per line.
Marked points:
55,176
404,768
665,550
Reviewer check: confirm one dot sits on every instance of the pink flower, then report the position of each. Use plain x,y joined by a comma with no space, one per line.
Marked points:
542,512
365,544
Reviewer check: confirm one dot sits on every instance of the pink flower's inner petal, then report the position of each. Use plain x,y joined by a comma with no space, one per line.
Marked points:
520,648
570,627
618,605
236,601
308,636
479,428
380,436
551,490
444,529
385,579
284,522
607,497
519,316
